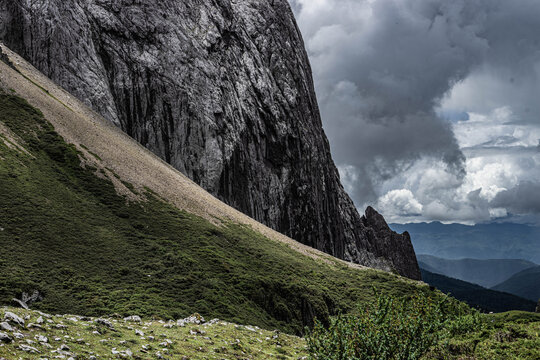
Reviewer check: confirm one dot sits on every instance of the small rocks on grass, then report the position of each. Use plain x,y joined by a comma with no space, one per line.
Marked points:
212,322
197,332
122,353
5,326
5,338
105,322
39,320
139,332
193,319
11,317
41,339
18,335
28,348
166,343
64,347
45,315
133,318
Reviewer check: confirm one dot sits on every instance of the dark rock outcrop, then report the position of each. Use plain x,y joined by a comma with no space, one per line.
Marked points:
220,89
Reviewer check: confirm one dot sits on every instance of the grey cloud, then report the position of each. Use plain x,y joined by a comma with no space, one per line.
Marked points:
383,67
522,199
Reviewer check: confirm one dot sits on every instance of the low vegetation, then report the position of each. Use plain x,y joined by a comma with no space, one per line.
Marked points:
421,327
470,336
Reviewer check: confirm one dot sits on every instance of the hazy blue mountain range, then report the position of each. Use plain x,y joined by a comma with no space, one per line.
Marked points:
481,241
486,273
477,296
526,284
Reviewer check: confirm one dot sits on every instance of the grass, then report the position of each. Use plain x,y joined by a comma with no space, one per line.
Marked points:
85,338
503,336
67,233
512,335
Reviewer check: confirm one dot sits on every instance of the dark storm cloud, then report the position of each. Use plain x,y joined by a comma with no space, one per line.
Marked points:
382,68
522,199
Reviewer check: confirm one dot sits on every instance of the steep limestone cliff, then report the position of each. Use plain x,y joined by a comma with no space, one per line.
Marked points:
220,89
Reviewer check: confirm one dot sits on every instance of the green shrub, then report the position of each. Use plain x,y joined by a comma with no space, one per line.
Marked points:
390,328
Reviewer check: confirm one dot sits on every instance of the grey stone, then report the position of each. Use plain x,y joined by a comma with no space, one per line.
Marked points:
105,322
13,318
133,318
28,348
5,337
223,91
5,326
41,339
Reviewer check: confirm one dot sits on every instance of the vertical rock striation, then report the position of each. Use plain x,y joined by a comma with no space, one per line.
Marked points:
220,89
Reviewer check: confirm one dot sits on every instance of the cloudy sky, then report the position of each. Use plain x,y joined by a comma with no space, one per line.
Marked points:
432,107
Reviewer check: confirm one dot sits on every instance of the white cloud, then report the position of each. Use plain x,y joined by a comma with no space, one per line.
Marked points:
400,203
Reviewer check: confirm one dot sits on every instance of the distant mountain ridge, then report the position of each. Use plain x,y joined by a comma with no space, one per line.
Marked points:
481,241
526,284
486,273
477,296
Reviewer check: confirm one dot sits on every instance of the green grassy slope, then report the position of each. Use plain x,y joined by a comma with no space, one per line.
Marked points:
66,232
476,295
504,336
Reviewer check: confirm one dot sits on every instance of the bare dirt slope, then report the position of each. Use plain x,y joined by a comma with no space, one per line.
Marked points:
133,163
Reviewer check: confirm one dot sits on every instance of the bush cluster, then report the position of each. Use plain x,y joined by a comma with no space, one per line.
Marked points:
389,329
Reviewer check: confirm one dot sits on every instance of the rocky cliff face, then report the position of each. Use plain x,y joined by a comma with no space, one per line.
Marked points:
220,89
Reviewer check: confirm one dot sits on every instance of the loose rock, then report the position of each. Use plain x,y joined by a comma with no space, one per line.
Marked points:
11,317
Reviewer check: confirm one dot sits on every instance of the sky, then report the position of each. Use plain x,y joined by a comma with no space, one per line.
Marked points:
431,107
